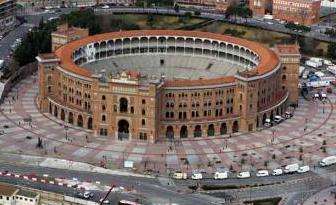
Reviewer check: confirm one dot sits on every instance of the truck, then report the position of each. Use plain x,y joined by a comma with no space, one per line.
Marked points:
327,161
180,175
303,169
291,168
314,64
318,83
332,69
221,175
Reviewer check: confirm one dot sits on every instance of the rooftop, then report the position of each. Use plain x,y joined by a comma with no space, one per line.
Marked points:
28,194
268,59
288,49
7,190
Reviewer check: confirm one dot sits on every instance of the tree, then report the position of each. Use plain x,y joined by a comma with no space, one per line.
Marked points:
37,41
331,52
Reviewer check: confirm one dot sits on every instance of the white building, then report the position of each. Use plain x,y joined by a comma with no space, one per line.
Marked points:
11,195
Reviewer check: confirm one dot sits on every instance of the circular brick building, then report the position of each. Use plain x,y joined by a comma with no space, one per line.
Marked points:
158,84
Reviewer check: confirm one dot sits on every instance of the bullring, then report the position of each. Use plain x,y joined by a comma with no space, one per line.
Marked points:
167,84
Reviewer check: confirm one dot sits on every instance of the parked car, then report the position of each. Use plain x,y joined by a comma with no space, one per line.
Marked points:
278,119
102,201
88,195
196,176
262,173
221,175
243,175
268,123
288,114
180,175
277,172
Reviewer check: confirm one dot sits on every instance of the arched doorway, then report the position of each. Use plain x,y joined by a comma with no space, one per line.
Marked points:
258,122
198,131
223,129
184,132
264,118
62,115
55,111
70,120
123,130
211,130
235,126
89,123
50,108
80,121
170,132
123,105
272,116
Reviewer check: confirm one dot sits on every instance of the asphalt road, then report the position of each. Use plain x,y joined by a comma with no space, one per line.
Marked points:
260,23
21,31
151,189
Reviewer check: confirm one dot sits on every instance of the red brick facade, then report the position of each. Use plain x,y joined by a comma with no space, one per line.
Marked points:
305,12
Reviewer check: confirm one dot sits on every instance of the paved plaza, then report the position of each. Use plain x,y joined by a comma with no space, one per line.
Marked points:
298,138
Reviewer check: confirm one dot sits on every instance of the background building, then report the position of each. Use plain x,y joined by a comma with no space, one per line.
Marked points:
11,195
65,34
7,15
217,5
305,12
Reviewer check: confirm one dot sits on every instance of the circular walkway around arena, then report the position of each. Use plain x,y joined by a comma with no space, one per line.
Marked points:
302,135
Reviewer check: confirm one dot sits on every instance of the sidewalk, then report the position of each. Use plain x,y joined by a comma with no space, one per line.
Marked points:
324,197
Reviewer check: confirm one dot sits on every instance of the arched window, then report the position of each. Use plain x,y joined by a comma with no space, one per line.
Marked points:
123,105
143,122
103,97
103,118
143,112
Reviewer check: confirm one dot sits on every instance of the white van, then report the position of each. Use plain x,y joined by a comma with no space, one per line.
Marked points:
221,175
242,175
277,172
196,176
180,175
328,161
262,173
303,169
291,168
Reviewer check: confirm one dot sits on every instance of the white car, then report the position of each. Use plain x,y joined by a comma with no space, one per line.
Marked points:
242,175
262,173
277,172
104,201
278,119
105,7
196,176
303,169
268,123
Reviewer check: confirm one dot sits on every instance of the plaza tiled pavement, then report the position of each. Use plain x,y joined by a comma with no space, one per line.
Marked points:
220,151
